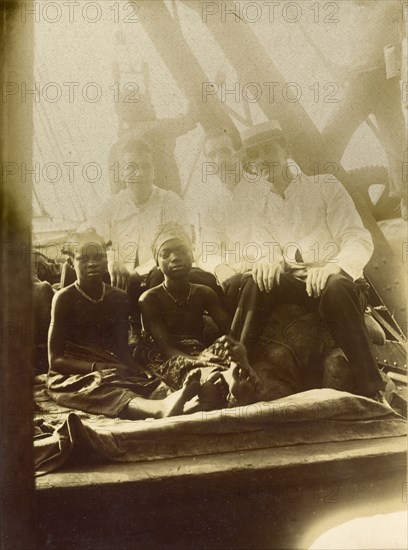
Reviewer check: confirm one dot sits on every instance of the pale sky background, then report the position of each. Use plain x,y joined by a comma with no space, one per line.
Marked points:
84,52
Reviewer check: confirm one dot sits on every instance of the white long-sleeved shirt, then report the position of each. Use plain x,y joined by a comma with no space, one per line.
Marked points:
223,221
131,228
316,216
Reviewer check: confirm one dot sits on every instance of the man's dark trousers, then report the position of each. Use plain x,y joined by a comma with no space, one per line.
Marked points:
341,306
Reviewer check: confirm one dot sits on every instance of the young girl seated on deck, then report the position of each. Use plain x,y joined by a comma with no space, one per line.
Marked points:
90,367
172,317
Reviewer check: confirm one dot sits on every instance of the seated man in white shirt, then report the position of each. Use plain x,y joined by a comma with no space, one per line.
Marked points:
224,238
131,218
316,249
211,200
223,209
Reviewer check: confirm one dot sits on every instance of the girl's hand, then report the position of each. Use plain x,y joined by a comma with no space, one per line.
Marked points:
113,368
235,351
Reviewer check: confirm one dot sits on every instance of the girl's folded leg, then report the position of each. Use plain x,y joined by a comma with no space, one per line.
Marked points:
139,407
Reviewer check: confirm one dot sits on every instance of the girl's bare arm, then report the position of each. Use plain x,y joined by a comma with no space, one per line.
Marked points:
155,326
57,339
216,311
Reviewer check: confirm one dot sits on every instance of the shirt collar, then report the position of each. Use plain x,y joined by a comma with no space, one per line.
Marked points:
293,184
141,207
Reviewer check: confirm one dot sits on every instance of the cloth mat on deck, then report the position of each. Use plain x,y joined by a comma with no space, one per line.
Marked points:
314,416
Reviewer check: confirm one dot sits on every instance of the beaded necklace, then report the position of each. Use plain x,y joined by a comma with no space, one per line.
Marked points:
85,295
179,303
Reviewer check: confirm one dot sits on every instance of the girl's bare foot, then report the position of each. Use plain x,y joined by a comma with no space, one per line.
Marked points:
244,384
174,403
242,388
213,392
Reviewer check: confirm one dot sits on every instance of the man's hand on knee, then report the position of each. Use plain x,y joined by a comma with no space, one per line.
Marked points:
317,278
266,275
119,275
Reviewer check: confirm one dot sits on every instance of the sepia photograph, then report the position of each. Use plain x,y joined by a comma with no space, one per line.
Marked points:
204,275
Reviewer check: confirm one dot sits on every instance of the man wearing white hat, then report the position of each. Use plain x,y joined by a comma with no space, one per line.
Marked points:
315,249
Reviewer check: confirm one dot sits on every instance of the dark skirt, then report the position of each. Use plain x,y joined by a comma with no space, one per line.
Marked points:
99,392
